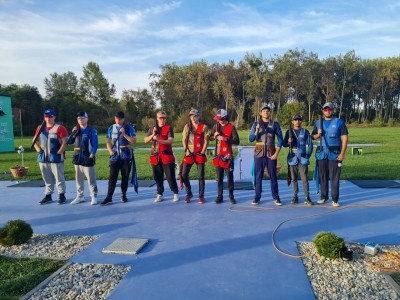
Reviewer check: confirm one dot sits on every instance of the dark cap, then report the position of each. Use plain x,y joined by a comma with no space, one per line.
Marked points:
328,104
221,115
82,114
120,115
265,106
297,117
50,112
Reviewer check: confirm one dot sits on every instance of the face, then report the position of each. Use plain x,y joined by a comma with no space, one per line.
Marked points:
328,112
49,119
119,121
265,113
194,119
296,123
161,119
82,121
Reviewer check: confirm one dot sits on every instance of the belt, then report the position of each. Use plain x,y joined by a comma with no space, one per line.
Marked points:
125,146
77,149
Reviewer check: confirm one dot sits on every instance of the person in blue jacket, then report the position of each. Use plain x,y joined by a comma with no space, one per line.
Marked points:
300,145
266,152
330,154
86,143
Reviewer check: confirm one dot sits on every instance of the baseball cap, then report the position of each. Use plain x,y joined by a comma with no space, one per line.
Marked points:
120,114
194,112
82,114
221,114
265,106
297,117
328,104
50,112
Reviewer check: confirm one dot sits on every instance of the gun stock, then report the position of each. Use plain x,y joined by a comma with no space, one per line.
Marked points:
35,138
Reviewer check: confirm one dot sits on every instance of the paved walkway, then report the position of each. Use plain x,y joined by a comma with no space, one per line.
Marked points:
208,251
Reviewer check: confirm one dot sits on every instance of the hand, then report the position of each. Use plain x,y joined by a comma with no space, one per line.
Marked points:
290,140
154,131
340,157
74,129
221,138
216,134
257,127
122,130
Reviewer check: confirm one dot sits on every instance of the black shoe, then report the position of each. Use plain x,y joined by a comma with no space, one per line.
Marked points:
47,199
278,202
232,200
218,200
309,201
106,201
62,199
295,200
124,198
255,201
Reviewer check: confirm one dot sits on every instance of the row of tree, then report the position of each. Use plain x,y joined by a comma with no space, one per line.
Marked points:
363,90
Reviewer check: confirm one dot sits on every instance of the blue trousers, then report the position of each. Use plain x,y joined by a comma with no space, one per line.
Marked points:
260,164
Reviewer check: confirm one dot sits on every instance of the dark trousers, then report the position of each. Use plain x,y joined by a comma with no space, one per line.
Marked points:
329,170
115,167
185,178
260,164
169,171
220,179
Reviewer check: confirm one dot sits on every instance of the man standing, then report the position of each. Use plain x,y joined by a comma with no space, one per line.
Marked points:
300,146
86,143
330,153
162,158
120,138
195,141
266,153
225,135
50,147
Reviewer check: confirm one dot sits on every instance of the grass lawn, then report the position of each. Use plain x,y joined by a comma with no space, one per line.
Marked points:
18,276
396,277
377,162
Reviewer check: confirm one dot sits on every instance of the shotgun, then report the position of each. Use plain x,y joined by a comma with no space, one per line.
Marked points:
42,126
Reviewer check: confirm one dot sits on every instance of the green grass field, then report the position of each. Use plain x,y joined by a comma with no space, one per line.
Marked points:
377,162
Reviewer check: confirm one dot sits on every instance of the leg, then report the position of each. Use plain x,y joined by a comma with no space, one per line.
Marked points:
125,170
271,167
90,173
185,177
113,177
229,175
200,173
259,165
334,175
220,181
303,170
169,170
79,180
158,174
323,171
58,171
294,172
48,178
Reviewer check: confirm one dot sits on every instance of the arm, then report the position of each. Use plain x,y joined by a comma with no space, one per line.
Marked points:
286,139
235,137
94,141
170,139
310,146
212,137
151,135
342,154
278,133
254,132
184,136
63,134
206,139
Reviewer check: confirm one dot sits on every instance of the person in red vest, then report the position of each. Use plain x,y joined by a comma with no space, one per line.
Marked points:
195,141
225,135
162,158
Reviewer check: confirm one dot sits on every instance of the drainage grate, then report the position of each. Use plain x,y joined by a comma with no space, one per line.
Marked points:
126,246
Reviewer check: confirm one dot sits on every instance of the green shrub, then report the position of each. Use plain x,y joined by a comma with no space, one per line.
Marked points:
328,244
15,232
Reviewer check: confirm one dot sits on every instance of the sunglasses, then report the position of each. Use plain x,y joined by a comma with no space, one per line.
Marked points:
327,109
49,116
161,118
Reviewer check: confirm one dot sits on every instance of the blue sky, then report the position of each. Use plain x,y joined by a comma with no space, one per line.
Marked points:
131,39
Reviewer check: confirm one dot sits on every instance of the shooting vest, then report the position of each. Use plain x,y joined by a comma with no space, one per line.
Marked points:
265,143
83,147
165,151
331,141
50,143
198,139
122,147
225,148
300,152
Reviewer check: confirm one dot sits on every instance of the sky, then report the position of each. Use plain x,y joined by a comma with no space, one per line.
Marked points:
130,39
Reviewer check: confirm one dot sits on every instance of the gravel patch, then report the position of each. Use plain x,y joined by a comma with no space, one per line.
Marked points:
75,280
338,279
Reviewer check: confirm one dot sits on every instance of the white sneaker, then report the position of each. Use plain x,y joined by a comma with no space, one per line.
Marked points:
78,200
159,198
94,201
176,197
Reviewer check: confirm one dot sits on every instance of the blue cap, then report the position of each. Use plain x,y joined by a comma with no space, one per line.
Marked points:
50,112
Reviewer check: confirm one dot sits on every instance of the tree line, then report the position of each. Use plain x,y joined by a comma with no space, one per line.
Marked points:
364,91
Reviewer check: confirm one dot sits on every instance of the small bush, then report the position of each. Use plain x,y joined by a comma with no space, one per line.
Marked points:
16,232
328,244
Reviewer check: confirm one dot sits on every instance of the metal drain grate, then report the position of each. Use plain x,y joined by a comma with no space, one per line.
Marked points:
126,246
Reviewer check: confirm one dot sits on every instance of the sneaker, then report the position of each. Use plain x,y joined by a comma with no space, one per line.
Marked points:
322,201
232,200
278,202
159,198
124,198
188,197
176,197
106,201
47,199
201,200
218,200
62,199
295,200
78,200
255,201
309,201
94,201
335,204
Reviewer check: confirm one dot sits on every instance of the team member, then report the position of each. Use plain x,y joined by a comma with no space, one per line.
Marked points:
86,143
162,158
225,135
300,145
334,138
50,147
195,140
120,138
266,153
